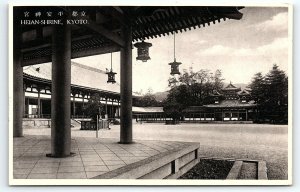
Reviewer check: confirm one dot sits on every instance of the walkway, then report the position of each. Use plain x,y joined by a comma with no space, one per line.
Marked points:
93,157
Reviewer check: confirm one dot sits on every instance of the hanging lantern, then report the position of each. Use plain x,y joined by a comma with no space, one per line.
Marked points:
111,74
143,50
175,65
111,77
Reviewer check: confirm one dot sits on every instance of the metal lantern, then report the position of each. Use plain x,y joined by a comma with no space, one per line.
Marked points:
143,51
175,65
111,74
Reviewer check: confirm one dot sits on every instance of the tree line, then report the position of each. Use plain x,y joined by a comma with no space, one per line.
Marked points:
269,92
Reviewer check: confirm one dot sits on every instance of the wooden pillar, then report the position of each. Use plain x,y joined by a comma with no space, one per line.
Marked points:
39,102
41,109
27,108
74,107
18,96
61,91
83,104
214,115
112,109
106,106
24,100
223,115
118,108
126,86
246,115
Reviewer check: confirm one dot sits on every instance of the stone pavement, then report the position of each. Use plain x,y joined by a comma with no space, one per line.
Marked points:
93,157
240,141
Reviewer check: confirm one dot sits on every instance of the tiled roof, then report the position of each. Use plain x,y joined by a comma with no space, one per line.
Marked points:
215,93
230,103
230,87
81,75
147,109
244,92
195,109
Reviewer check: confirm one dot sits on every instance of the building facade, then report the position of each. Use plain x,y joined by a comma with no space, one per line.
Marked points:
231,104
37,91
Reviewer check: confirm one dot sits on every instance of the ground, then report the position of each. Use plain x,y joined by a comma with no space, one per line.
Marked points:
251,141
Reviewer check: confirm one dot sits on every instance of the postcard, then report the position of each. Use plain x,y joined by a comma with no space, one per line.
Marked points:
183,94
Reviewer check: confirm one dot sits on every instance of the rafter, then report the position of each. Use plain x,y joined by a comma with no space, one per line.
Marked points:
105,33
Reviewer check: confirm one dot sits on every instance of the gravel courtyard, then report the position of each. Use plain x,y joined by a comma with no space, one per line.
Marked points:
252,141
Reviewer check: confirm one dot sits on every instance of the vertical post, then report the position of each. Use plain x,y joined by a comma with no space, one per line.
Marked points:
126,86
83,105
18,103
112,109
27,108
246,115
74,107
214,115
118,108
61,91
106,106
41,109
97,126
39,102
223,115
24,100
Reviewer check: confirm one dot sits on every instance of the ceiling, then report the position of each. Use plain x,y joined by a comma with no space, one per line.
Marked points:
102,31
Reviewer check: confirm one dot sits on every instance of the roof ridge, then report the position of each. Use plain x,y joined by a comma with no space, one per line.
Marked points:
87,67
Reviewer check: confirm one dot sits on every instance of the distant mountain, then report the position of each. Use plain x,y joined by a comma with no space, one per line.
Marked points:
160,96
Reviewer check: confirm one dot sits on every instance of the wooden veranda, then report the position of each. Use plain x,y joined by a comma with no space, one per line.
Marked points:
74,32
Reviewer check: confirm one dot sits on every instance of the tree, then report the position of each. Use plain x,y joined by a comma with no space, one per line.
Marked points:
277,94
258,88
173,109
218,80
147,100
258,93
94,107
270,92
192,88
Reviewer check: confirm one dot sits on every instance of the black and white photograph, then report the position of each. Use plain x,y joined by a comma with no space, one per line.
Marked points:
150,95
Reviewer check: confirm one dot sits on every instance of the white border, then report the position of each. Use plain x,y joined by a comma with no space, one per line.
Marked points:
151,182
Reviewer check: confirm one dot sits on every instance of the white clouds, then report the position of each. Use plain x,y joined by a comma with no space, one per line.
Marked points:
200,42
278,22
217,50
278,46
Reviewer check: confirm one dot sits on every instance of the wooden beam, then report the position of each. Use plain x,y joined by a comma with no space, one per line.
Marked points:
97,51
74,54
105,33
46,42
118,14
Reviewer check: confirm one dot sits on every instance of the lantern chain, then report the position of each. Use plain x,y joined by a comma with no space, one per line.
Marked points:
111,61
174,47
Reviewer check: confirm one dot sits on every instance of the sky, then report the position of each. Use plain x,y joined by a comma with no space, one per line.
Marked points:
240,48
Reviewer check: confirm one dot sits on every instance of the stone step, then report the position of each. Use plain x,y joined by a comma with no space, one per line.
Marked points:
169,165
248,170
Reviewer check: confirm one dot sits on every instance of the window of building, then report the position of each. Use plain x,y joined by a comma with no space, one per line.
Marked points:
227,115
